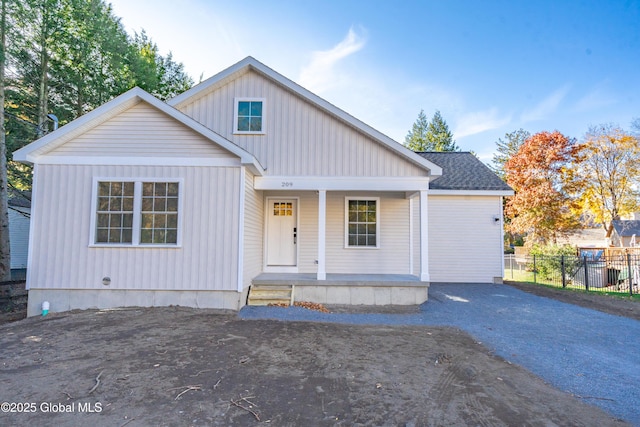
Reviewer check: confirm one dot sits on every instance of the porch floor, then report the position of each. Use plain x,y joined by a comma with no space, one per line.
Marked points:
310,279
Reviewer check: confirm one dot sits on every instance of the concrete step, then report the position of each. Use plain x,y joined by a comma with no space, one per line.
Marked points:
270,294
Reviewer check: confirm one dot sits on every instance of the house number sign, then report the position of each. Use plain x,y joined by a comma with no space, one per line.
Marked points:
286,184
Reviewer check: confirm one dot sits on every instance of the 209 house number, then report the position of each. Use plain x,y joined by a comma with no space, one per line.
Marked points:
286,184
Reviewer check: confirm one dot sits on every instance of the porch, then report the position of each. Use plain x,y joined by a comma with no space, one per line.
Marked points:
354,289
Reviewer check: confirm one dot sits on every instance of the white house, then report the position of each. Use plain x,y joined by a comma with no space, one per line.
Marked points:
19,217
248,179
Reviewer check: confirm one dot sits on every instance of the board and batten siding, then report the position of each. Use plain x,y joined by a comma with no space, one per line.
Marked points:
465,243
139,131
253,231
392,257
63,258
300,139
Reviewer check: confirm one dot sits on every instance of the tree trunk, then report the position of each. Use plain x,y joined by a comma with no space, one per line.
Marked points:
5,247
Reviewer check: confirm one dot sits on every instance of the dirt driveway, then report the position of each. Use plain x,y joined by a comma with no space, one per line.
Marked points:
180,367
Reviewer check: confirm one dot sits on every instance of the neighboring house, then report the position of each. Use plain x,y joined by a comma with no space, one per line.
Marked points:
249,179
585,238
626,233
19,217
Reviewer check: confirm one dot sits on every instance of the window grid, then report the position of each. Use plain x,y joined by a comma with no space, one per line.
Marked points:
282,209
249,116
159,223
362,223
115,212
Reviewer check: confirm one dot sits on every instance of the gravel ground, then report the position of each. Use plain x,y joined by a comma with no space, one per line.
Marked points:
590,354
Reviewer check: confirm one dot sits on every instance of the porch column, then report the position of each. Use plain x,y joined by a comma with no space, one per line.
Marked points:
424,236
322,228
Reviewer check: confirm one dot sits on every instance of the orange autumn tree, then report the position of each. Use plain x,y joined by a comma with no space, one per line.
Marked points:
542,173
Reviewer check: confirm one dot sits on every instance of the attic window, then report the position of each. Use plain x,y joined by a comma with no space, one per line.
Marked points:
249,116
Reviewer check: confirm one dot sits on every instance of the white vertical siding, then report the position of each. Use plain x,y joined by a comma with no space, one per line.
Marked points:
139,131
464,242
253,231
207,260
300,139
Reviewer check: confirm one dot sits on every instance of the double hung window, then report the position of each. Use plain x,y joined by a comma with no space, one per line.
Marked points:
362,222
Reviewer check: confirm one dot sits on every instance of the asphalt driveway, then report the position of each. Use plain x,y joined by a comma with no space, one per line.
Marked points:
593,355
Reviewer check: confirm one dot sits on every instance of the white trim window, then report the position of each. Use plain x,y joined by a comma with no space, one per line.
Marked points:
362,222
249,116
136,212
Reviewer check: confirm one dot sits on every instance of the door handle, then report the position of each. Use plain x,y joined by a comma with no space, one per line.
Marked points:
295,235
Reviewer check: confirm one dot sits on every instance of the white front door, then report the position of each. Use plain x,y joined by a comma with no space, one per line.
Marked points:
282,232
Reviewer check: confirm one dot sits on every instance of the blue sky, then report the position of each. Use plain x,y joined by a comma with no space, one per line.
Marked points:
490,67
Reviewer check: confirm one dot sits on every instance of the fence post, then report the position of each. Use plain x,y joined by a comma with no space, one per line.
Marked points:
630,274
535,270
586,274
564,281
511,264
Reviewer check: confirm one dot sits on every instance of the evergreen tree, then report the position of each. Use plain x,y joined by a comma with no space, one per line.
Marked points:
431,135
416,139
439,136
507,149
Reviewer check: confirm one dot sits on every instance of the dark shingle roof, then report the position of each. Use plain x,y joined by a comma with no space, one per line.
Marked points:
19,199
463,171
626,228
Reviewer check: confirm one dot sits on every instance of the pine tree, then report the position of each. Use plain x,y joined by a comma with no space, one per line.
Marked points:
507,149
416,139
431,135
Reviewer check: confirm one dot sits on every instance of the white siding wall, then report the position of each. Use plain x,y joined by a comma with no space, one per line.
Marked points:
465,244
140,131
62,257
393,255
253,231
415,214
300,139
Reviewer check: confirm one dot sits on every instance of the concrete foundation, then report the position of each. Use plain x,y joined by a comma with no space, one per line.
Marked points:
362,295
71,299
355,289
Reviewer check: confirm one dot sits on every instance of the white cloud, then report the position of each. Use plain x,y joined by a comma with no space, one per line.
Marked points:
597,98
318,76
480,121
547,106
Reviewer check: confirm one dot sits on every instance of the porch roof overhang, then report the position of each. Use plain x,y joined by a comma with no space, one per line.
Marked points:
300,183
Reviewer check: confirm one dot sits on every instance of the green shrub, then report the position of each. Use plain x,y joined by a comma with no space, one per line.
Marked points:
549,260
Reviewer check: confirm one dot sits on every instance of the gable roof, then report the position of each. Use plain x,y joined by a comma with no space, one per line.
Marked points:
626,228
251,64
464,171
33,152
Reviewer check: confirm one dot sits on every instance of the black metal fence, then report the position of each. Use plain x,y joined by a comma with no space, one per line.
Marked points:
589,272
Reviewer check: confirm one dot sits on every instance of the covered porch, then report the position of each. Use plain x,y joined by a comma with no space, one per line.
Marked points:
313,229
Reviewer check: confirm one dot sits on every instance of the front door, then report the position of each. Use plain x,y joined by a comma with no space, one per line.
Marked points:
282,232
